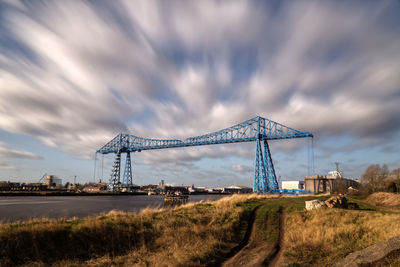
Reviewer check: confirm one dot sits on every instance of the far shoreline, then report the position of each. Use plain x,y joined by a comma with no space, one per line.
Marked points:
61,193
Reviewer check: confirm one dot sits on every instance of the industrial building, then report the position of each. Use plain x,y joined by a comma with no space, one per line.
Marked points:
10,186
292,185
197,189
238,189
215,190
52,181
95,188
329,184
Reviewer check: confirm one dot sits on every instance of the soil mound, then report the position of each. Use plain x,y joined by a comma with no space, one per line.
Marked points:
384,199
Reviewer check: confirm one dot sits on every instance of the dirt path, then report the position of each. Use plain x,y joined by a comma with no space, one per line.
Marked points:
259,254
236,250
277,258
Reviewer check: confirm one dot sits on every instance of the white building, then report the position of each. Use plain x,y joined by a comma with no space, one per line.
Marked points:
52,181
238,189
292,185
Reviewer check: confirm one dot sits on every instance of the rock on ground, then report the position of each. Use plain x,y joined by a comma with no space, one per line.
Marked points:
372,254
315,204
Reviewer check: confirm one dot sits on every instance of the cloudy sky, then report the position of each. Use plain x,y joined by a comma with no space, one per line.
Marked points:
73,74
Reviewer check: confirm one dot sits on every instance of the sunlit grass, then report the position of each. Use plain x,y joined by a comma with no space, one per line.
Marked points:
183,235
325,236
197,234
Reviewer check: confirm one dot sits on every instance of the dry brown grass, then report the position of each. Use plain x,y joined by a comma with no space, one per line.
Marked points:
195,234
190,243
325,236
384,199
183,236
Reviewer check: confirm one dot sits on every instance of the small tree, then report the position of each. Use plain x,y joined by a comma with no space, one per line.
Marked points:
374,178
395,179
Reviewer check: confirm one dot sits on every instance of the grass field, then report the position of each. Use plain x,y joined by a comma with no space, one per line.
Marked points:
203,234
194,234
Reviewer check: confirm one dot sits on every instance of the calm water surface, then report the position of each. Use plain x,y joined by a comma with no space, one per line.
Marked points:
27,207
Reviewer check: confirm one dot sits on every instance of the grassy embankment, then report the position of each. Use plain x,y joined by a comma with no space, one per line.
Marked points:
326,236
203,234
194,234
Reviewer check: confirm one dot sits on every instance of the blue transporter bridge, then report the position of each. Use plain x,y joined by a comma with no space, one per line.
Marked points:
258,129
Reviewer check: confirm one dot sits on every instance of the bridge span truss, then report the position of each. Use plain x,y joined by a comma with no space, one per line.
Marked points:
257,129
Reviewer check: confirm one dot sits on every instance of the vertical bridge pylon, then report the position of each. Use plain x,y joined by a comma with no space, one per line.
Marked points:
257,129
127,181
264,172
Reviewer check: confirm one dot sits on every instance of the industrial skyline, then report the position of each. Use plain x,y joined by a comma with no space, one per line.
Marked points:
71,81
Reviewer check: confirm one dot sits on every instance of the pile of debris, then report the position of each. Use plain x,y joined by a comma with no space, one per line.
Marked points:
337,202
333,202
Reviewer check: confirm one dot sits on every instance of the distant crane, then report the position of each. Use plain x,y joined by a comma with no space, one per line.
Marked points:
41,179
257,129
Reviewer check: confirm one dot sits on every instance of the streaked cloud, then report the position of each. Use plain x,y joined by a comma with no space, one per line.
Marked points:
6,152
74,74
242,168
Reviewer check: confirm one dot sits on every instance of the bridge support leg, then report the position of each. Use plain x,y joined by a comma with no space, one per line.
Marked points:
273,185
260,180
115,174
127,181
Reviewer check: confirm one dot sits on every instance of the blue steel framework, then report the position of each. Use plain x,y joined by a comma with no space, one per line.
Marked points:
257,129
127,180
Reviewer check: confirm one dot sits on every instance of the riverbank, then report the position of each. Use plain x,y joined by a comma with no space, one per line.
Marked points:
245,230
72,193
190,234
67,193
14,208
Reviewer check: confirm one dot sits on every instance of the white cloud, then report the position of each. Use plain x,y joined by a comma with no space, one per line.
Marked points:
197,24
182,69
6,152
182,155
241,168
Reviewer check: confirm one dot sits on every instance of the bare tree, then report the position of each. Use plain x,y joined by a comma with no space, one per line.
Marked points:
394,181
374,178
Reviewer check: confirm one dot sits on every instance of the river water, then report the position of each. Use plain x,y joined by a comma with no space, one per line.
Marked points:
17,208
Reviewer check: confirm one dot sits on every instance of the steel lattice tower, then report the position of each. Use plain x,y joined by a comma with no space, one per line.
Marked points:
116,172
260,182
273,185
127,181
